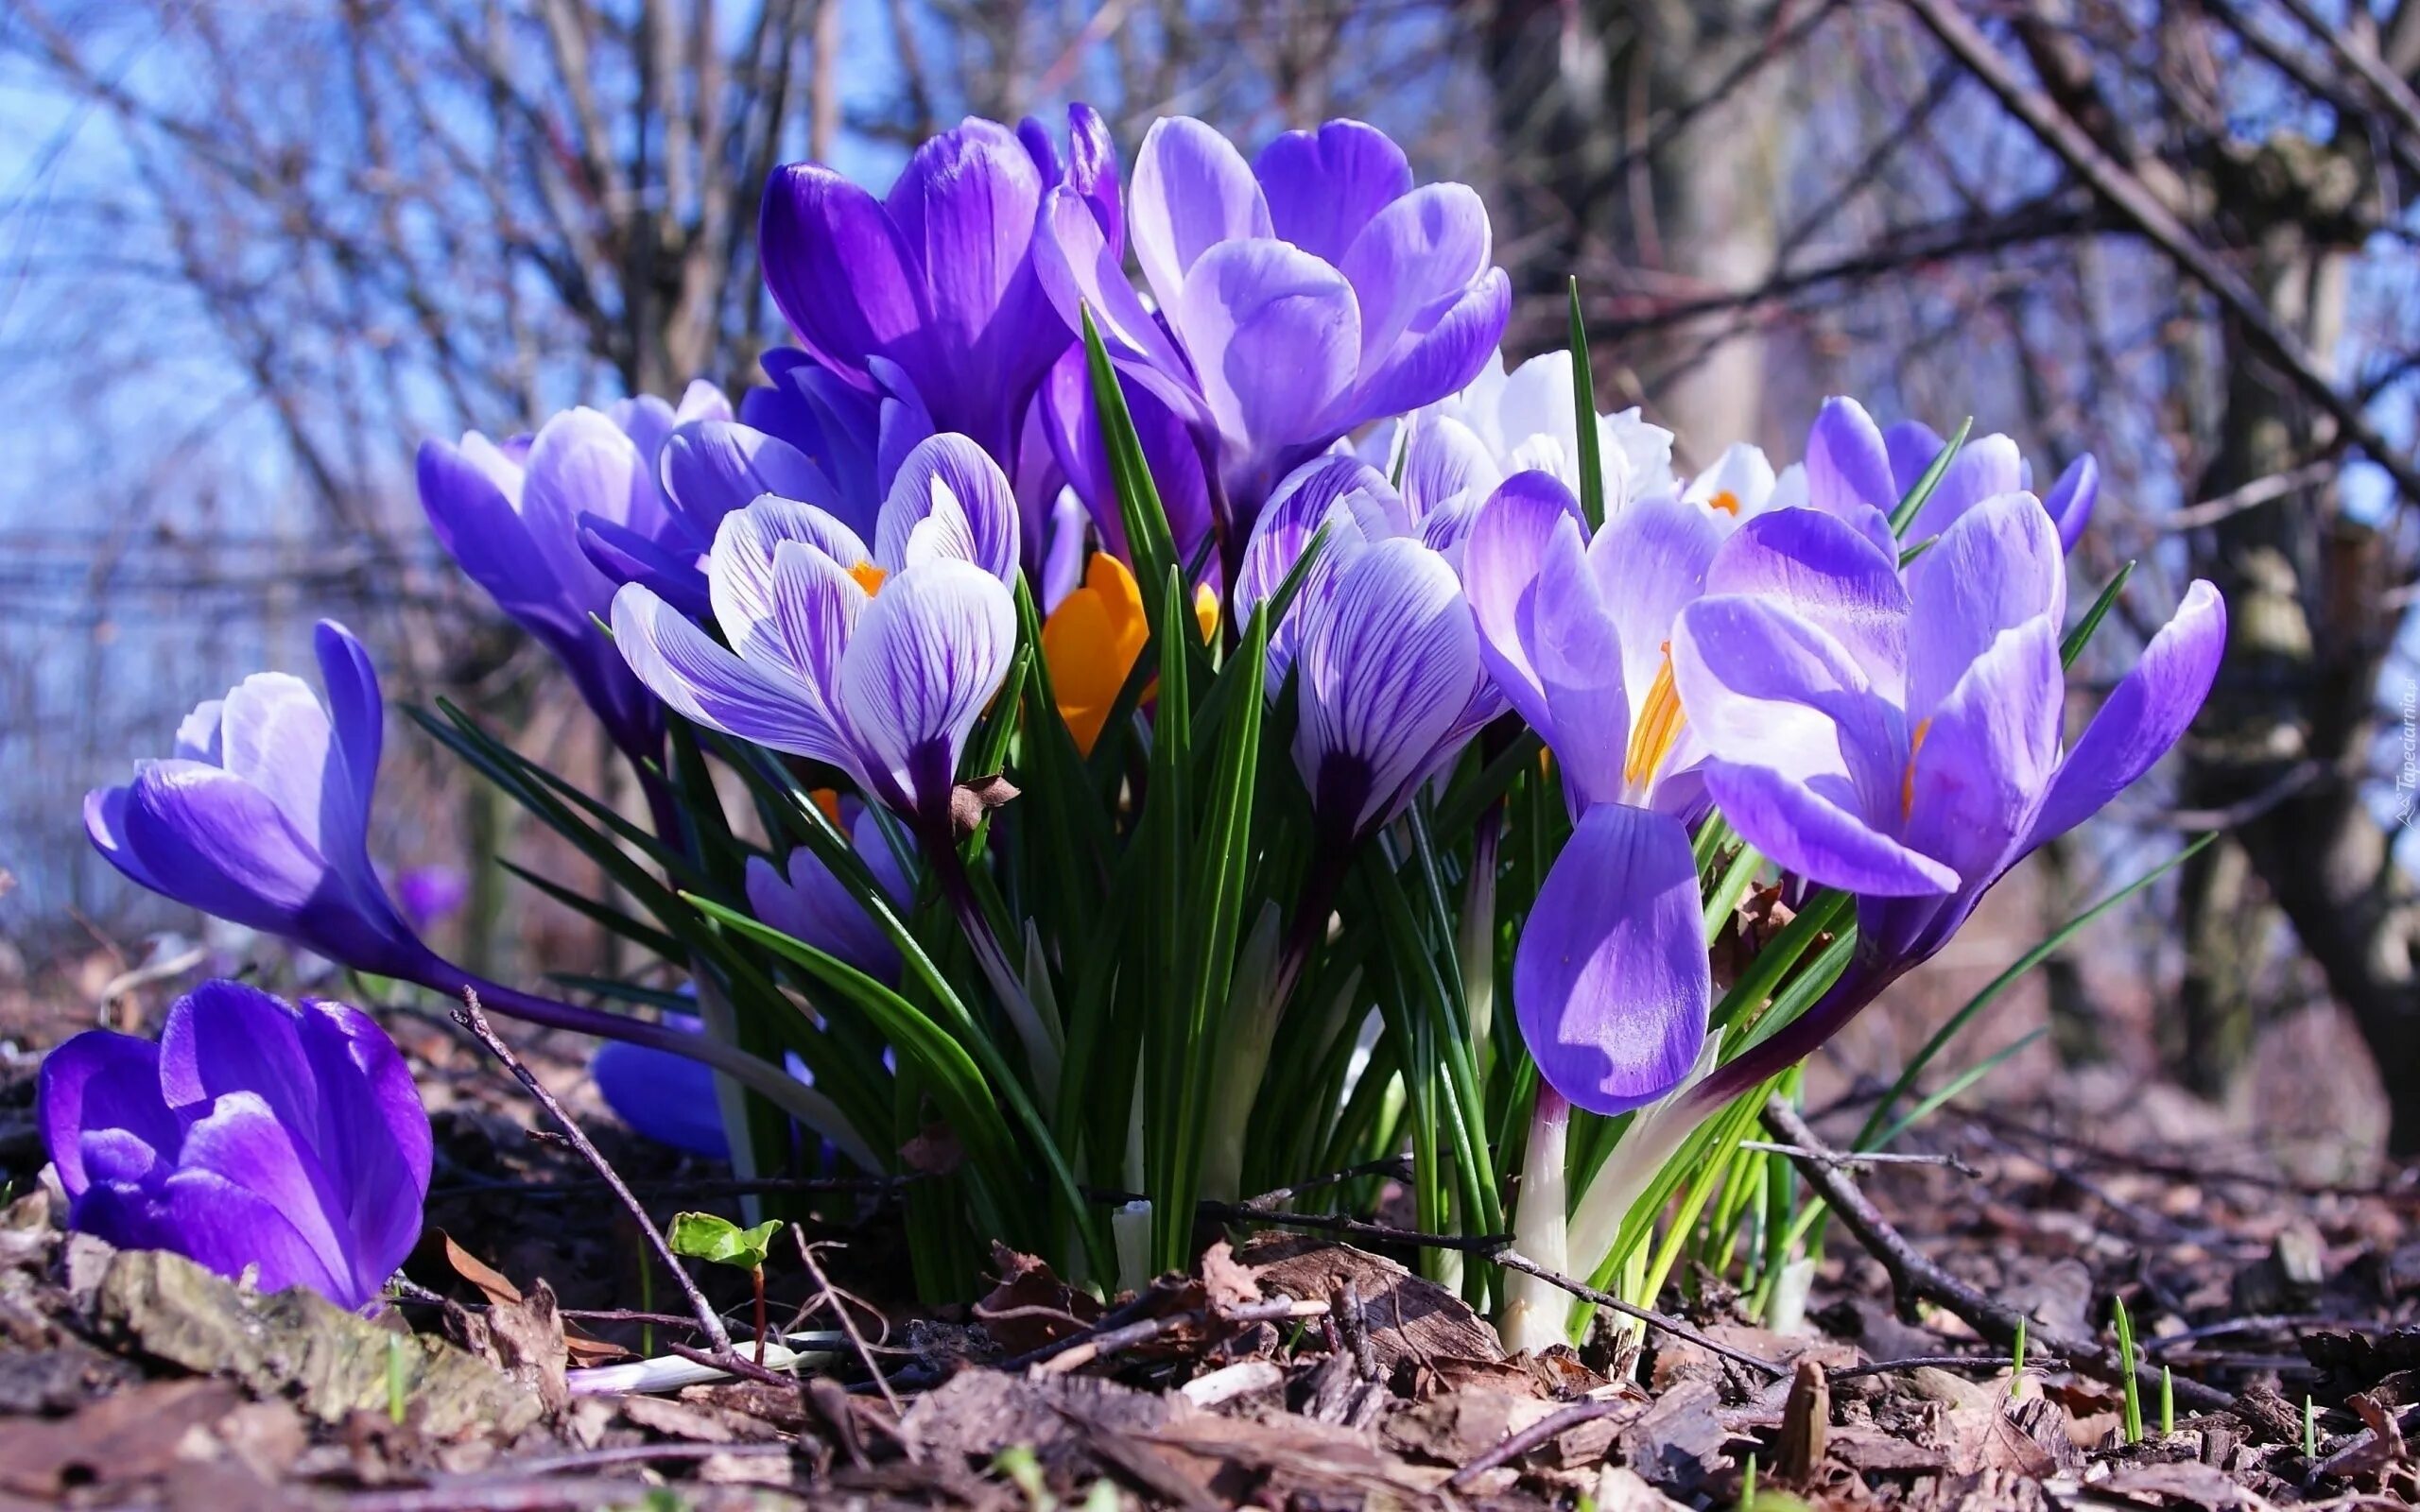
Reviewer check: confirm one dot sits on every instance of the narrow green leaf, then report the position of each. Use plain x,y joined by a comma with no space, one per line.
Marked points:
1148,541
1583,397
2082,635
1904,516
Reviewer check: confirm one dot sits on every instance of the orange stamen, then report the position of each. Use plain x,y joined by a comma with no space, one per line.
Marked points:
1659,725
1908,777
828,799
869,576
1725,501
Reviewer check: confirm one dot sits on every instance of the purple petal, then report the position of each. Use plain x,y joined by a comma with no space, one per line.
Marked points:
664,1097
1444,461
716,467
927,655
277,737
105,826
463,492
247,1194
2070,500
580,464
2143,716
1812,829
1062,564
1192,191
1998,567
1386,671
1415,260
101,1081
811,905
965,208
1325,186
1911,446
1983,469
1274,337
1081,269
1073,425
839,269
1500,565
1439,353
1295,512
950,482
373,1134
359,717
684,667
1650,560
1572,638
673,568
835,426
746,598
1826,572
1983,759
1608,981
1848,467
227,1037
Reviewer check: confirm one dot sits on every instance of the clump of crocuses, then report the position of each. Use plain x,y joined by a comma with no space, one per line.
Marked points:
256,1136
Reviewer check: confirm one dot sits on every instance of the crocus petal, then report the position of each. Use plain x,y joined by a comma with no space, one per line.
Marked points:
1299,505
1998,567
277,737
1081,271
1825,570
1572,635
1072,425
1738,486
1062,564
1416,257
475,522
1500,565
1324,186
1982,759
1192,191
1911,446
745,596
1762,687
229,1037
664,1097
1385,674
243,1144
100,1080
953,465
1091,169
1650,560
1608,981
1848,466
1812,830
682,666
1983,469
359,717
2143,716
1275,335
581,464
105,826
927,655
2070,500
673,568
812,906
373,1132
716,467
837,269
1091,642
1444,461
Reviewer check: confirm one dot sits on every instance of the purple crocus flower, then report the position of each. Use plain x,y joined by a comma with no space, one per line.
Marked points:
875,661
1985,467
431,894
929,294
670,1099
254,1136
1904,744
1296,298
512,515
262,818
1609,983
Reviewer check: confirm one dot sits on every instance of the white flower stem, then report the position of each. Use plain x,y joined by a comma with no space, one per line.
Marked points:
1535,1311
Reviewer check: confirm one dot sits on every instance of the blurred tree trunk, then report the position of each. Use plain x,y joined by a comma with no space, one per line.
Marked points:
1579,90
2286,738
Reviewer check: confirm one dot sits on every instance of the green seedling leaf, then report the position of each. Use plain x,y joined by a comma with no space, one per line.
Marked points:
703,1236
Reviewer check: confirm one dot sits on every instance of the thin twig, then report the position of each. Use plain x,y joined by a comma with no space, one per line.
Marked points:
736,1363
1939,1362
471,1017
1915,1278
1545,1430
1337,1222
640,1454
1514,1259
848,1324
1393,1165
1078,1353
1844,1158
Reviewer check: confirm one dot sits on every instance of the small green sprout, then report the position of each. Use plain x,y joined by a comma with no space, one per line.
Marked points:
2167,1403
703,1236
1018,1463
2126,1363
395,1377
1748,1486
2310,1430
